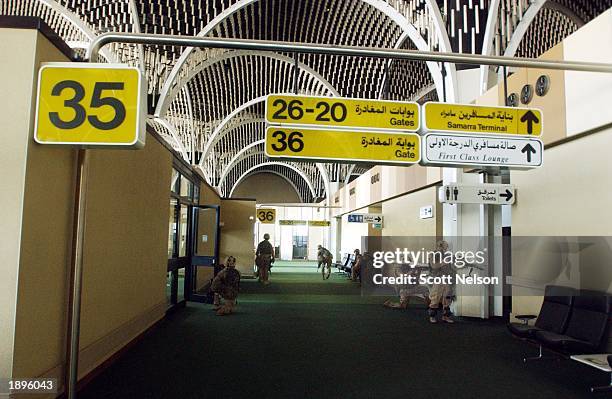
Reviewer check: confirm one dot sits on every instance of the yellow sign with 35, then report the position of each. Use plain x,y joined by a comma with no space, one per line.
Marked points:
90,105
465,118
342,145
342,112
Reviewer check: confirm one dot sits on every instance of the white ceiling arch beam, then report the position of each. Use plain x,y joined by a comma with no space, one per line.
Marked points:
380,5
287,179
269,163
164,104
136,29
445,46
216,136
172,131
520,31
236,159
78,23
487,43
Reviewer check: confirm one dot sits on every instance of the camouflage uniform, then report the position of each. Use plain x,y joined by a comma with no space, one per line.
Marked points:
324,257
263,259
441,293
406,291
227,284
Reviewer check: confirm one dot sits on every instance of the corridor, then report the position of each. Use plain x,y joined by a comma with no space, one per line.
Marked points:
305,337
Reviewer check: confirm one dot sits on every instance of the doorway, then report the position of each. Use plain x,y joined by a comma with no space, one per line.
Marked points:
203,245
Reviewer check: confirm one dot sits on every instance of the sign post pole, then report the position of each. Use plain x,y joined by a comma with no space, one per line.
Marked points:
76,274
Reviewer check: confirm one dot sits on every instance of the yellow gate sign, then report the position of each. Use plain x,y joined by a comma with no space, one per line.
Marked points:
342,112
292,222
464,118
90,105
319,223
343,145
266,215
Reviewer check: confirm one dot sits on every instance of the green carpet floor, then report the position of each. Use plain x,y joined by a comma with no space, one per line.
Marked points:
302,337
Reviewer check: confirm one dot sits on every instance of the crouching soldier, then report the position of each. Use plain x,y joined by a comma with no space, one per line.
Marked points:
226,285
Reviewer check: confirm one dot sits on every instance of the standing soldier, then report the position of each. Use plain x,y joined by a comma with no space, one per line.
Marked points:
325,258
263,258
441,294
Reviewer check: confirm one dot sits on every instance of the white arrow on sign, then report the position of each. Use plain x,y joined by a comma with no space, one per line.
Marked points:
481,150
493,194
365,218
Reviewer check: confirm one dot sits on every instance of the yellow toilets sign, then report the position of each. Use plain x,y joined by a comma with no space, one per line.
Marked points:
464,118
342,145
90,105
340,112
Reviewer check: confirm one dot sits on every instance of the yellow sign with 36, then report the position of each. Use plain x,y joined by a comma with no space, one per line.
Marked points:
465,118
90,105
342,112
342,145
266,215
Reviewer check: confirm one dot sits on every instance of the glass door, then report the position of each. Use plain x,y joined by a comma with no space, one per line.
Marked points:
203,244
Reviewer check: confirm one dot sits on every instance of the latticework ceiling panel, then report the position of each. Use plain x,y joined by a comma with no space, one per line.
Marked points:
209,103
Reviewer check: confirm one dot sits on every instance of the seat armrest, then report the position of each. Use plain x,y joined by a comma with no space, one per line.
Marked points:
525,317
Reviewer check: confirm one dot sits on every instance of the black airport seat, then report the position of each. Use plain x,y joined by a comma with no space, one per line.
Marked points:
554,313
350,263
586,327
341,265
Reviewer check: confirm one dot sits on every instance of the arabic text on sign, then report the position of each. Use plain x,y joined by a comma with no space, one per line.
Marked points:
342,112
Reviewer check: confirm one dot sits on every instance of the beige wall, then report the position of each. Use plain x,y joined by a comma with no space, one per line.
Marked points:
238,217
402,214
552,104
208,195
570,195
17,76
266,188
125,253
124,271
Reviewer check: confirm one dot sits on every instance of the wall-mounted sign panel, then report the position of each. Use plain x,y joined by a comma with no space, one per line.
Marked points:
342,145
426,212
266,215
90,105
494,194
292,222
364,218
477,150
342,112
463,118
319,223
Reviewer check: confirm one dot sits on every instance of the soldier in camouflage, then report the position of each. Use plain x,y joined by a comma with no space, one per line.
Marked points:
324,257
264,256
226,285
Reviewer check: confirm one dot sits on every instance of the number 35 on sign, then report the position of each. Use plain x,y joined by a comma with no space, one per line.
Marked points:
90,105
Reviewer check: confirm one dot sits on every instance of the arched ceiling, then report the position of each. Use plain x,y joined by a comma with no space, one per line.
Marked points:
208,104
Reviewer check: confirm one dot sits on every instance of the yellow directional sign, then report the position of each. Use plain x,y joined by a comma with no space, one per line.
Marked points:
266,215
343,145
292,222
442,117
318,223
95,105
342,112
